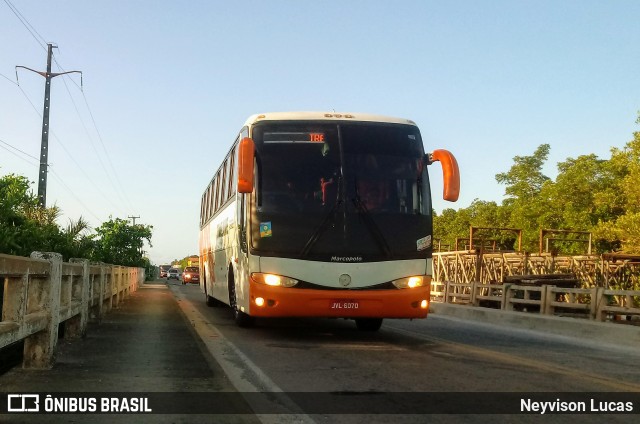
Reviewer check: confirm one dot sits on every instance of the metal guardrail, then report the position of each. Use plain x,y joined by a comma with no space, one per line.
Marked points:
40,293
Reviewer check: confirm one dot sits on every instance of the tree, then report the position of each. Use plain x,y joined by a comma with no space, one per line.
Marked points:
624,225
76,241
24,225
120,242
578,199
525,178
524,205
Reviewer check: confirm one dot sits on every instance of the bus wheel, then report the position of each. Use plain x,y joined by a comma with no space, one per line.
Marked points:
242,319
368,324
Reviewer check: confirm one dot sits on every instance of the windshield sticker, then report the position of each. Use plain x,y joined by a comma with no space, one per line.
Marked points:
423,243
265,229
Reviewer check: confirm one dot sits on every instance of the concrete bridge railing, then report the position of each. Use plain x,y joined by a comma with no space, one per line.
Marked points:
41,294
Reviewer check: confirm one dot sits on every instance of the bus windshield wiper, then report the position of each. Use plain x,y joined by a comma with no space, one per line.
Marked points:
329,218
371,225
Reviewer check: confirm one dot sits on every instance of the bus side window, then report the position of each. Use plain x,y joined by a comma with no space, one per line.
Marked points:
232,173
223,184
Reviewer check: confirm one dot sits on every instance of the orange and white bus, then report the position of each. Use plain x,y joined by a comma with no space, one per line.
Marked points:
322,215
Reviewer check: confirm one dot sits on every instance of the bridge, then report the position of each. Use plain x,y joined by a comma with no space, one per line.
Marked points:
41,296
101,328
596,287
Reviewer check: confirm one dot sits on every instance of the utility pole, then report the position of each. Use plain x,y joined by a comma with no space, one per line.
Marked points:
133,218
44,145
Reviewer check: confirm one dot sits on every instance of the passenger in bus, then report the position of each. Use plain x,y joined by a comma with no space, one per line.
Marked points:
324,187
372,191
374,194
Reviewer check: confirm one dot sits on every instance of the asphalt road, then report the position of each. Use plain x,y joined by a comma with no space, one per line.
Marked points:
439,370
334,361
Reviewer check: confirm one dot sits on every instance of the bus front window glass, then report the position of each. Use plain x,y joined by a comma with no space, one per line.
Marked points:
331,190
298,168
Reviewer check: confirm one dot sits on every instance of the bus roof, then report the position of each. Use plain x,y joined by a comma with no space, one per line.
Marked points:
325,116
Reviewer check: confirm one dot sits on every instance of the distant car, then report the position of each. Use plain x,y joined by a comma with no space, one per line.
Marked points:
191,275
173,273
163,270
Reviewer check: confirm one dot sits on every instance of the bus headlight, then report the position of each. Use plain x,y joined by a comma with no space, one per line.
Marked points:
410,282
273,280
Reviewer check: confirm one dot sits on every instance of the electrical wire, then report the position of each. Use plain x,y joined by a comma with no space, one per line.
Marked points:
51,171
106,152
41,41
78,166
57,177
8,79
18,156
24,153
119,188
91,141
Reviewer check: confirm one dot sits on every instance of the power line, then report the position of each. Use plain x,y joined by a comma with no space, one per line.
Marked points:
106,152
55,174
8,79
41,41
90,138
118,187
16,155
15,148
78,166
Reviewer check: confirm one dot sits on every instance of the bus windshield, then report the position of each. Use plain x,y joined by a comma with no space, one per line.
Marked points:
347,192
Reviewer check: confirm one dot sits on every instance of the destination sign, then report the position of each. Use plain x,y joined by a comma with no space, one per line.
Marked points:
294,137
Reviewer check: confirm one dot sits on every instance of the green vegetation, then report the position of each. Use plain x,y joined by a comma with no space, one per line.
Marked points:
186,261
26,227
589,194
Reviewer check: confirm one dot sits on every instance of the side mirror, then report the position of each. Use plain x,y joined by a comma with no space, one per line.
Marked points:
450,173
246,152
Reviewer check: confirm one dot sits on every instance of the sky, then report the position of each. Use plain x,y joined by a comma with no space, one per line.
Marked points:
167,85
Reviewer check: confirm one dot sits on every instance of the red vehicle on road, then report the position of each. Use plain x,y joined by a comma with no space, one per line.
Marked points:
191,274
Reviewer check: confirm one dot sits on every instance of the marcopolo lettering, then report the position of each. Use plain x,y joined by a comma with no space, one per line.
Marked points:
346,259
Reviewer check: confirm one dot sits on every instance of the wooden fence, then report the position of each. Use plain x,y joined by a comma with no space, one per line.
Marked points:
598,287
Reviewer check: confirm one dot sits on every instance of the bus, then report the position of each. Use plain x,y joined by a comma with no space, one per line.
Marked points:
322,215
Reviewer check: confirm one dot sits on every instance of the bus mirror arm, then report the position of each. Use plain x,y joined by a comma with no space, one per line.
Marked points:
450,173
246,153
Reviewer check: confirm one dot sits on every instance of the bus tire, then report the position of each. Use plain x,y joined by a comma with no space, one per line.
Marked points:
241,319
368,324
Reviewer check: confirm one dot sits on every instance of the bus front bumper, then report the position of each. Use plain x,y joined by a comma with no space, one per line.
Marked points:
269,301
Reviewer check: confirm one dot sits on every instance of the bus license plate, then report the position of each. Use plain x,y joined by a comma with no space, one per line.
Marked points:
343,304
